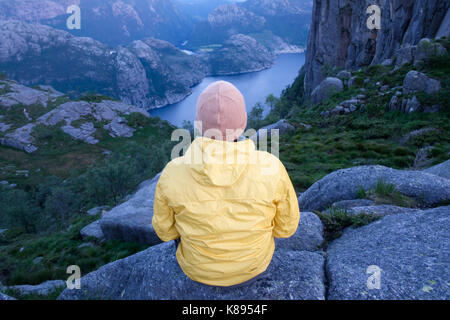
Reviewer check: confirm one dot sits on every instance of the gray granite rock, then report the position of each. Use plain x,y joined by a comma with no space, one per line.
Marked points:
427,49
154,274
5,297
444,29
344,185
41,289
416,81
410,250
308,237
132,220
92,230
97,210
381,210
326,88
403,25
347,204
441,170
282,126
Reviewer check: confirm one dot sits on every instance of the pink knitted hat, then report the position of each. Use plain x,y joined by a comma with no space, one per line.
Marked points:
221,106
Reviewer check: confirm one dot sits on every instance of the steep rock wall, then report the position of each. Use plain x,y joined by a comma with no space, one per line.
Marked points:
339,35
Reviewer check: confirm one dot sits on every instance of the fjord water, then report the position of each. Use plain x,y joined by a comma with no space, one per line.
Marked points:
255,87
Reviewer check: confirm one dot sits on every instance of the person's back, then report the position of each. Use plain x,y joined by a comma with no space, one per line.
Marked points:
226,202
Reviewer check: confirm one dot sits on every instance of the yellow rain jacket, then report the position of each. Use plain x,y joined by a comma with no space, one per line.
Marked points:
226,202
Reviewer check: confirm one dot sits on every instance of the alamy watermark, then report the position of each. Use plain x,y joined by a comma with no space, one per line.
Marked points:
230,152
374,20
74,280
74,20
374,280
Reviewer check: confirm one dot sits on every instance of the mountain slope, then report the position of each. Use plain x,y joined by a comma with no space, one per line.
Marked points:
287,19
110,21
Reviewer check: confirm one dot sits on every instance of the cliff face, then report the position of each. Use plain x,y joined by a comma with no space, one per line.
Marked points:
339,36
148,73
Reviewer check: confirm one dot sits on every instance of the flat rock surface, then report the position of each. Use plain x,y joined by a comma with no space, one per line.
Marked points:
441,170
155,274
410,249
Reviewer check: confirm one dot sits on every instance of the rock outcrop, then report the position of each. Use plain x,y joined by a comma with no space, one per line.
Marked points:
74,118
344,184
132,220
135,74
154,274
5,297
240,54
41,289
284,21
339,35
112,22
441,170
416,81
408,252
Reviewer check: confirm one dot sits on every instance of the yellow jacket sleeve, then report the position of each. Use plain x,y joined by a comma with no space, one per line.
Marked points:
163,220
287,216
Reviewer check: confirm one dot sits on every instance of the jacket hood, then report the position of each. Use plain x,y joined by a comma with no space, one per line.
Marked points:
218,163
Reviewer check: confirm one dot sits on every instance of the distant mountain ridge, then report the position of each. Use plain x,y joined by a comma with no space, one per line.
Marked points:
148,73
191,22
109,21
286,19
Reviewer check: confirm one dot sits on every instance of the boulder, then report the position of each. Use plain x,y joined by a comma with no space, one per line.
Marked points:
410,252
308,237
413,105
441,170
404,55
427,49
41,289
326,88
92,230
344,74
5,297
416,81
154,274
344,184
21,139
132,220
282,126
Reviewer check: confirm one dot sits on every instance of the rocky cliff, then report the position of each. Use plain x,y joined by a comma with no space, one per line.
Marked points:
112,21
148,73
35,54
339,35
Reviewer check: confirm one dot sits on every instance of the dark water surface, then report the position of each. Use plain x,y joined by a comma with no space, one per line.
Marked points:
254,86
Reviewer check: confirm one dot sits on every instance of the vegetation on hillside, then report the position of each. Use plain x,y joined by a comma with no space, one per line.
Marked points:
372,135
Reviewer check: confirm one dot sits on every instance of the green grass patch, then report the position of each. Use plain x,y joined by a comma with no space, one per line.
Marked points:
337,220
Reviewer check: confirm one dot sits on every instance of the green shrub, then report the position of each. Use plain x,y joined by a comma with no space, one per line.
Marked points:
337,220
